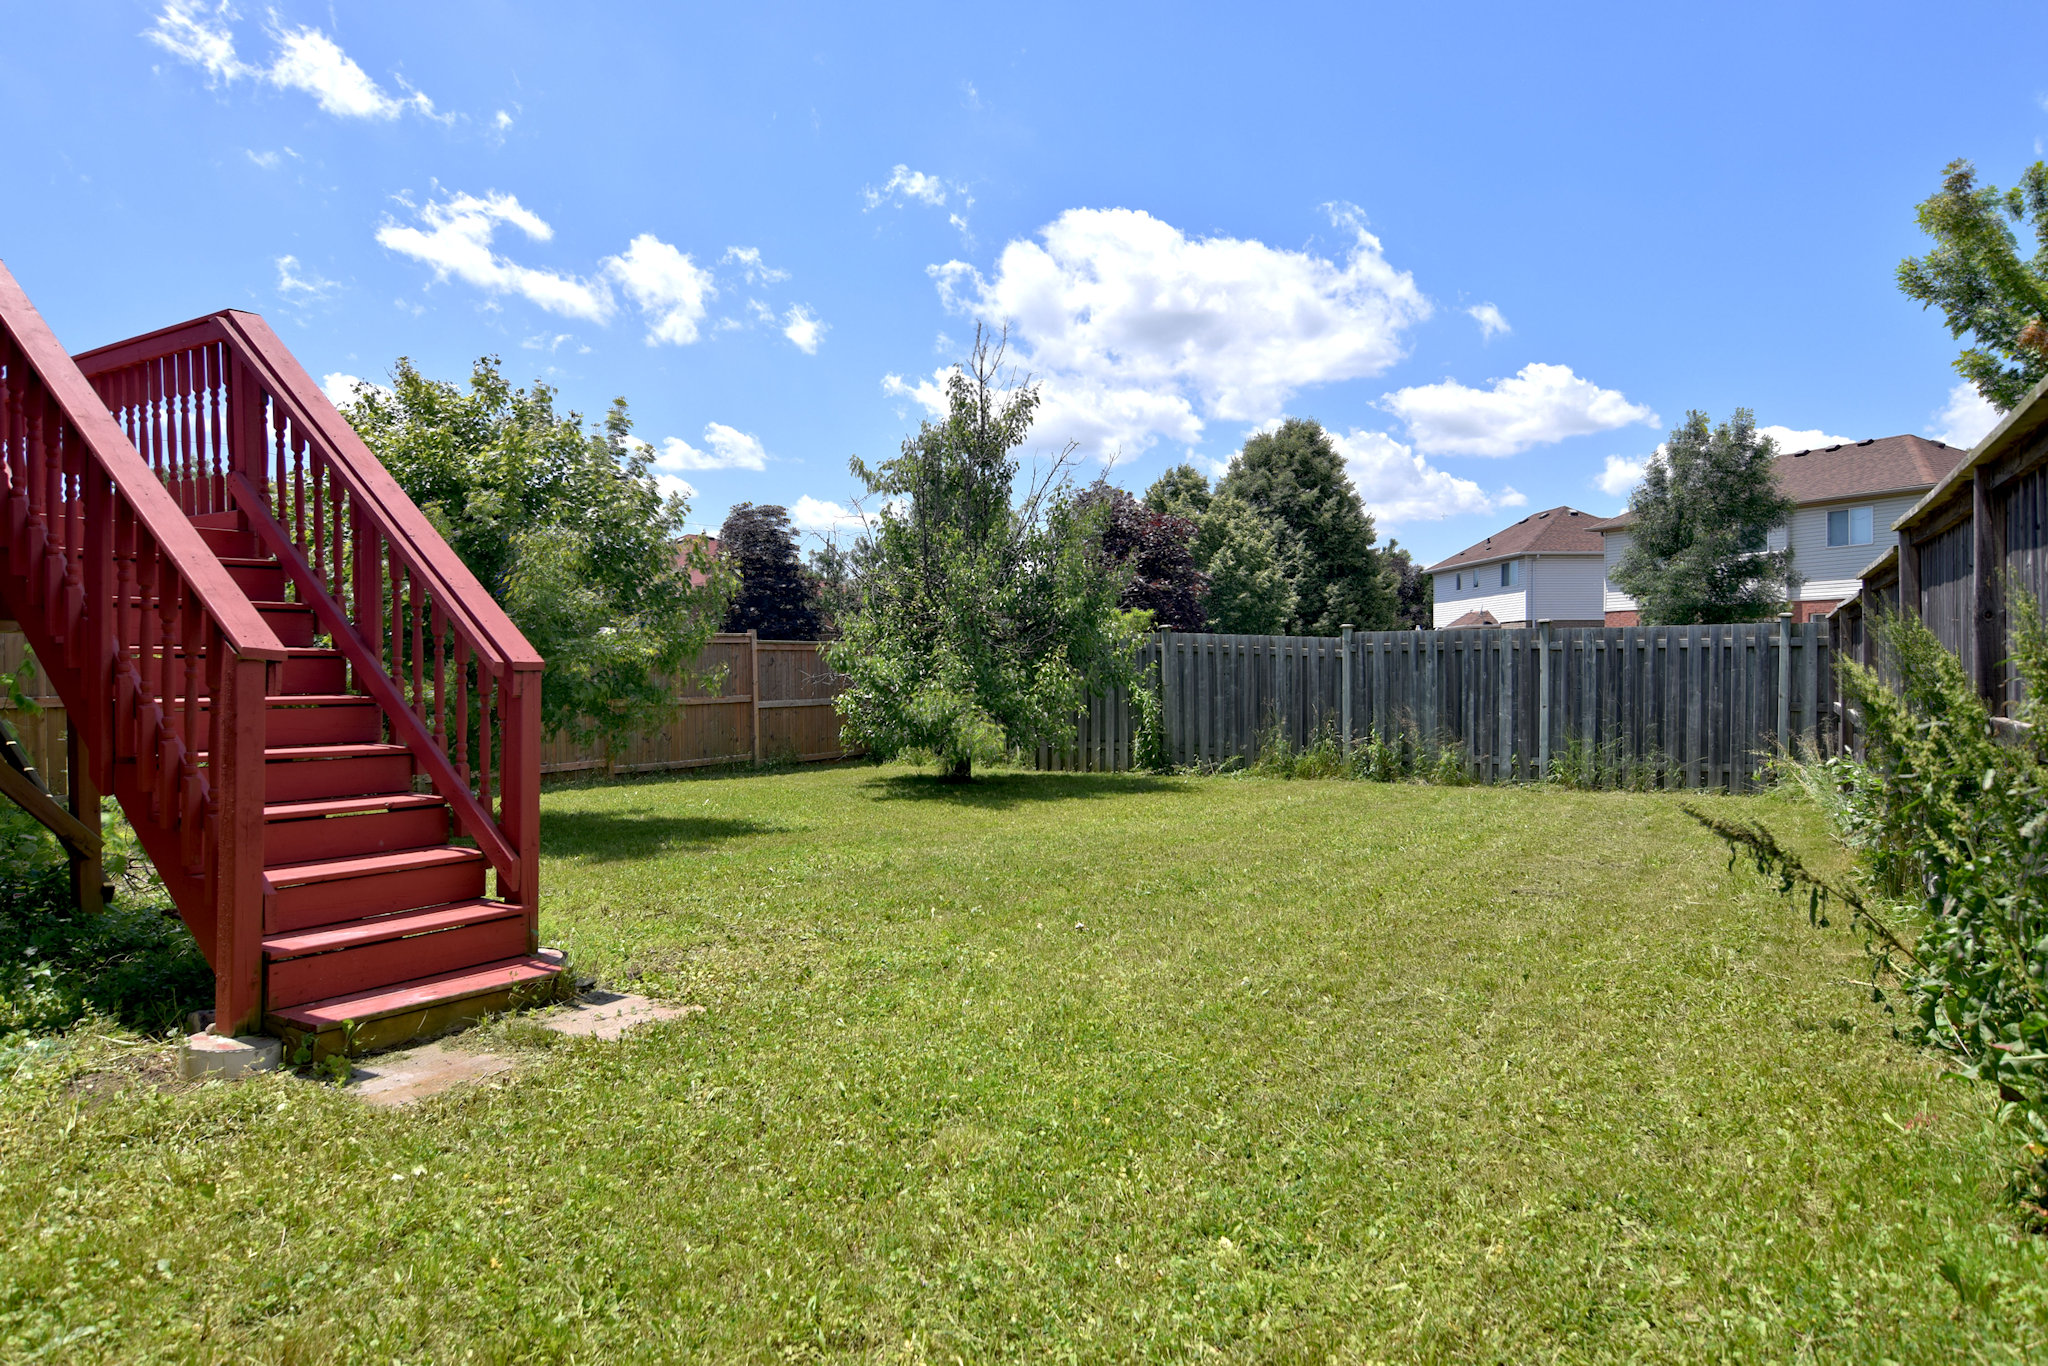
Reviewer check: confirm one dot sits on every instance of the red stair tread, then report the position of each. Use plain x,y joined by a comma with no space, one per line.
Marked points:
319,699
353,933
357,751
425,992
350,806
365,865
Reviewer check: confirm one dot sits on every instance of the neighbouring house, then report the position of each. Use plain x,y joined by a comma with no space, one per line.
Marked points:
689,542
1848,495
1545,567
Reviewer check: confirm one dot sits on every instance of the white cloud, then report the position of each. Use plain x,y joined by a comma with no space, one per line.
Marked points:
269,161
1140,332
1491,323
192,32
501,121
669,287
296,282
341,388
905,186
803,329
1811,439
1400,486
825,518
456,240
307,60
1538,405
1965,418
1512,497
731,449
1621,475
748,259
670,483
928,394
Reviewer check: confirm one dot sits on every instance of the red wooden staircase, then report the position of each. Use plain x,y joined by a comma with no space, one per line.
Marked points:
324,731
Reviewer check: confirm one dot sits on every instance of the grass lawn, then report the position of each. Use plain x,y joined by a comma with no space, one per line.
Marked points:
1078,1068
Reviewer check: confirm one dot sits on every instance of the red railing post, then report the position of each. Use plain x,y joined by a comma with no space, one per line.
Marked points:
519,796
238,877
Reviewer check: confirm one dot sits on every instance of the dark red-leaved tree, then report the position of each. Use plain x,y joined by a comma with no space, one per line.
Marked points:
1156,547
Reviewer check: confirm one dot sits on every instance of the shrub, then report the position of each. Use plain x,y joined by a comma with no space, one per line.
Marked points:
1948,821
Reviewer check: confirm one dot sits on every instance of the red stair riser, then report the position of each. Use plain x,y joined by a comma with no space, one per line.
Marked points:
329,725
329,903
316,675
263,583
242,545
302,780
344,836
294,626
298,980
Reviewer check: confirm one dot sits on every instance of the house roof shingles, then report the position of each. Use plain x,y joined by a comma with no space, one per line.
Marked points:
1556,531
1857,469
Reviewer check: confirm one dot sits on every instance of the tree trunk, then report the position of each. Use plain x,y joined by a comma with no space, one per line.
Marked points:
961,771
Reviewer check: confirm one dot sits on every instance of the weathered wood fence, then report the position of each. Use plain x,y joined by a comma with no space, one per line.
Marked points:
773,701
40,726
1685,706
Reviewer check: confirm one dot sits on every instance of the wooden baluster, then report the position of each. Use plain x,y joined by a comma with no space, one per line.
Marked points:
74,554
180,365
298,462
440,626
126,637
396,620
216,359
419,692
50,435
163,794
317,470
462,711
189,809
484,684
148,660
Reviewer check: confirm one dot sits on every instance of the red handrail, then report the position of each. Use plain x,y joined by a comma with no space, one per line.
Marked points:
458,684
160,657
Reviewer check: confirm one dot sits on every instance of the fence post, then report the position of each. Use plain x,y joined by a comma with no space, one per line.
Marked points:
1346,684
1542,699
754,688
1784,684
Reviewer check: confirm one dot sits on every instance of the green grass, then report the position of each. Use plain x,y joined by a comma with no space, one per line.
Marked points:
1072,1067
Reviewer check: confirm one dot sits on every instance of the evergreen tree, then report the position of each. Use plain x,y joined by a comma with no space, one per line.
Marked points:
1984,287
775,598
1182,492
1414,591
1240,552
1699,545
1294,477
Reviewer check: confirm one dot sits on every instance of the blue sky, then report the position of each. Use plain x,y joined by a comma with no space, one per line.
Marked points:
1498,250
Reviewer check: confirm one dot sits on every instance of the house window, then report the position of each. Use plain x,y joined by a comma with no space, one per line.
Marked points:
1510,573
1850,526
1461,583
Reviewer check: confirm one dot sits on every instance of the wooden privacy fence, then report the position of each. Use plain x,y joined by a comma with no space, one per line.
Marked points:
1687,706
773,701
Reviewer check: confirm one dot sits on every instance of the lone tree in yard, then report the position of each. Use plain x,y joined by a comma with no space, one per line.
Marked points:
776,598
566,529
986,618
1984,287
1699,549
1294,477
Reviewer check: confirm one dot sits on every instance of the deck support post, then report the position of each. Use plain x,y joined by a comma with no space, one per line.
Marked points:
89,887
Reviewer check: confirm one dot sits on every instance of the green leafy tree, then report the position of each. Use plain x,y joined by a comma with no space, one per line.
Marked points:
1240,552
565,527
1294,477
986,618
1414,591
775,597
1984,287
1699,546
835,585
1182,491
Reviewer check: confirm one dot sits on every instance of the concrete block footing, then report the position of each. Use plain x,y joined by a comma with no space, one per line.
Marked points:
216,1055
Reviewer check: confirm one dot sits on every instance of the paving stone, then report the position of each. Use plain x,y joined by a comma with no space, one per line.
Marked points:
407,1075
216,1055
608,1014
